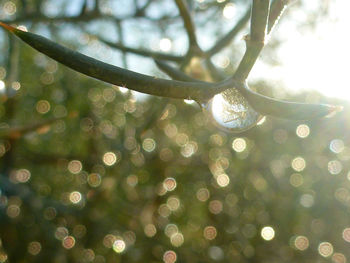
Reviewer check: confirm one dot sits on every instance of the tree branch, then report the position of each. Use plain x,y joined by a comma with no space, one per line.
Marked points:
284,109
188,23
259,19
262,104
120,33
199,91
112,74
140,11
83,8
255,42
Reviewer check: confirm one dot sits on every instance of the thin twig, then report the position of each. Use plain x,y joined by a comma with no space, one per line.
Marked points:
97,7
142,52
259,18
188,23
38,17
227,39
17,132
264,105
120,32
140,11
83,8
174,73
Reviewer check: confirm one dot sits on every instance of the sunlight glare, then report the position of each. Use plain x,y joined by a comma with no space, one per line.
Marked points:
314,59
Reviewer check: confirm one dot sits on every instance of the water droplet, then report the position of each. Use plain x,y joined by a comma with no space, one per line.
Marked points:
231,112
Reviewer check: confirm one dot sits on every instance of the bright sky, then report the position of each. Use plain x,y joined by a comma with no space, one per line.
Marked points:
314,59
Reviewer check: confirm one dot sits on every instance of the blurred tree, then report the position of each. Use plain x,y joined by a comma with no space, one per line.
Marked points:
93,172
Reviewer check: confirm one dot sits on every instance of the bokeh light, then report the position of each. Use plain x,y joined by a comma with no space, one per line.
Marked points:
215,206
13,211
210,232
298,164
43,106
203,194
165,44
303,131
61,232
108,240
94,180
169,257
150,230
239,144
34,248
173,203
267,233
75,166
346,234
109,158
164,210
119,245
68,242
307,200
148,144
10,8
223,180
216,253
177,239
2,86
301,243
171,229
296,180
169,184
22,175
325,249
338,258
336,146
75,197
229,11
335,167
88,255
3,257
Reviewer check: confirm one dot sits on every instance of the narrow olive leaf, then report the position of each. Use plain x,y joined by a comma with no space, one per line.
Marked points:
285,109
110,73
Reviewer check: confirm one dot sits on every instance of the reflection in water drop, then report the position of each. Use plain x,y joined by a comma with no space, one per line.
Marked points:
230,111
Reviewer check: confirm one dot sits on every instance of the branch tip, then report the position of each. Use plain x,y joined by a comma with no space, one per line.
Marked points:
8,27
333,109
336,108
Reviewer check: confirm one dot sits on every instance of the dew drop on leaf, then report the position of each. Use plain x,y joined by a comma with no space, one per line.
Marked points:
231,112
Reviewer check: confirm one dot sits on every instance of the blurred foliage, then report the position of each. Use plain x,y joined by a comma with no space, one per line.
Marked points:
95,173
